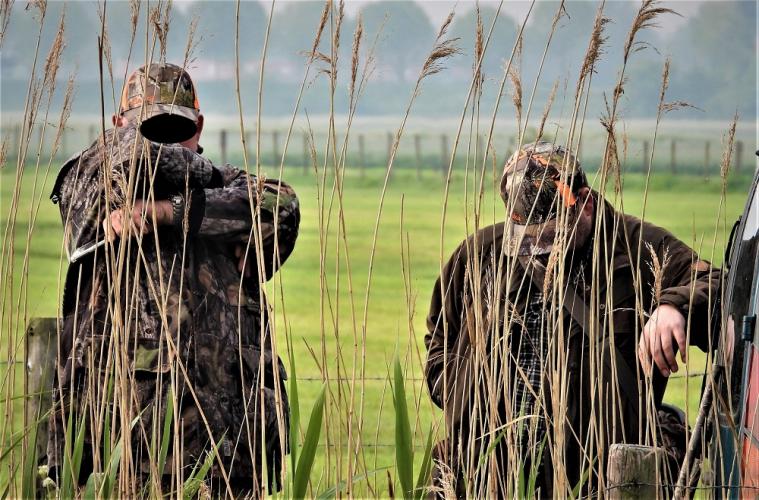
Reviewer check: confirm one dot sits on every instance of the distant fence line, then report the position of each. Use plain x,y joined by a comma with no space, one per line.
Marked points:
420,151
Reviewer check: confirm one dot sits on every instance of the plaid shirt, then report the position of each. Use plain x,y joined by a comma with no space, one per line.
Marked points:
531,355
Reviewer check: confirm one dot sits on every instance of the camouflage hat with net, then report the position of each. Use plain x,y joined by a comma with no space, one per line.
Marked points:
536,181
170,102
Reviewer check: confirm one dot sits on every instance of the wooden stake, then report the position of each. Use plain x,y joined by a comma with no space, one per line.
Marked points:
275,148
306,155
223,145
632,471
673,156
361,155
444,161
418,155
646,157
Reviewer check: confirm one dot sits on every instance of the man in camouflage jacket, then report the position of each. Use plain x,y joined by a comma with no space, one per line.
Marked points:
535,330
163,308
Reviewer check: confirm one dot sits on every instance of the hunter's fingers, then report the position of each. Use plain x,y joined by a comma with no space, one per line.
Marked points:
656,350
668,349
682,342
116,222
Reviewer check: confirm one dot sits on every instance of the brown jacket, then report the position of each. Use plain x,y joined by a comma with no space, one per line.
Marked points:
471,381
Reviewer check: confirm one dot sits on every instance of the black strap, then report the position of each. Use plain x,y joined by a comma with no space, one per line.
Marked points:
579,311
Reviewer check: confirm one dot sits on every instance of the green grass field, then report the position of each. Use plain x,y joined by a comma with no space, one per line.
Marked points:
407,262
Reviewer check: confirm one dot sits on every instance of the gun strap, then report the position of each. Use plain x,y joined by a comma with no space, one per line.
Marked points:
578,309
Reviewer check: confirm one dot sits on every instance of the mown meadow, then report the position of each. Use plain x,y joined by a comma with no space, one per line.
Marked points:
320,293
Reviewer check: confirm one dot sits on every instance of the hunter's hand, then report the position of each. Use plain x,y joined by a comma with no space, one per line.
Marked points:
663,330
158,213
243,264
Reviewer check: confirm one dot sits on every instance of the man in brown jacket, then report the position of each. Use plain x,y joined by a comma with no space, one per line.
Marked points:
536,329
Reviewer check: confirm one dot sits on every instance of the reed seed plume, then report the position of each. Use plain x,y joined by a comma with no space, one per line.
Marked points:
6,7
106,40
53,60
479,48
644,19
444,27
68,98
192,41
40,5
676,105
596,44
357,36
336,38
3,153
134,14
664,81
658,268
447,486
442,50
728,142
320,28
547,109
516,83
553,259
160,18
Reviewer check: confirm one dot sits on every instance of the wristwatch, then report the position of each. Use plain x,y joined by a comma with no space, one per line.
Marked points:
177,208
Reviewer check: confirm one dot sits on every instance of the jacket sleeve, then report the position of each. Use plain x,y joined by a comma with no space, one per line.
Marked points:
447,342
79,192
229,214
80,186
692,285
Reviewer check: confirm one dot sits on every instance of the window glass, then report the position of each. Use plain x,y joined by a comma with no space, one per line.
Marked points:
740,296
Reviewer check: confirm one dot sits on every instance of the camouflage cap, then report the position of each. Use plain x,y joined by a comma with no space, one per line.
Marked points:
169,99
535,180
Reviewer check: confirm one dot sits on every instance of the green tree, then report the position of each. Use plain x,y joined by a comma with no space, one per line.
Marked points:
501,43
714,59
216,27
406,39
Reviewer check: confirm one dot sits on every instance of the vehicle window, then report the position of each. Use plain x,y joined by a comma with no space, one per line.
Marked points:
741,296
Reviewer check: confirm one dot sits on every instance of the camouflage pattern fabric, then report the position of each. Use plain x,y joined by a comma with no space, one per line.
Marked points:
536,180
151,322
162,84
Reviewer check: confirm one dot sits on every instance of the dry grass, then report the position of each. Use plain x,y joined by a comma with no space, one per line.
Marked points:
491,359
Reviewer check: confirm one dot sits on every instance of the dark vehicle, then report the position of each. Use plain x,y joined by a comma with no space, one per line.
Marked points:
734,446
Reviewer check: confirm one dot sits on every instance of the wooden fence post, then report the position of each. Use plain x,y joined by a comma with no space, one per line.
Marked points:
389,147
418,155
223,145
444,161
41,347
17,142
632,471
62,145
646,157
738,156
707,154
275,148
673,156
361,155
306,154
